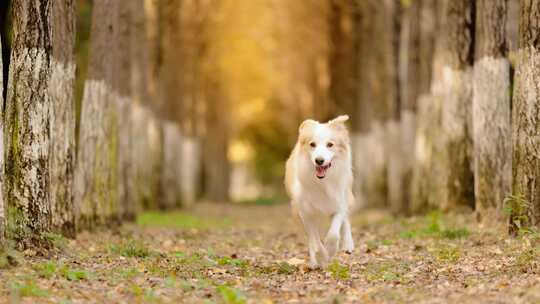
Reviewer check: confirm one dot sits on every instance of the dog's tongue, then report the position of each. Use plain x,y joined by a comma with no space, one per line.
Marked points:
321,171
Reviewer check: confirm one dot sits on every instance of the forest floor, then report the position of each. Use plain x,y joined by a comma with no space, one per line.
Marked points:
257,254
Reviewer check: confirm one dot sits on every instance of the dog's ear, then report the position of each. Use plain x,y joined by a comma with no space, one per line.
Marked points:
339,122
306,123
340,119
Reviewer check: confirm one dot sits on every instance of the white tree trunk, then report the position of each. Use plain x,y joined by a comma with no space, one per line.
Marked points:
396,161
492,131
147,157
491,112
371,166
27,121
426,183
191,167
96,173
172,167
457,174
123,106
62,146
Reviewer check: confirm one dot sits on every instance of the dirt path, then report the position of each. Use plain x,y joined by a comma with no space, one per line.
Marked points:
256,254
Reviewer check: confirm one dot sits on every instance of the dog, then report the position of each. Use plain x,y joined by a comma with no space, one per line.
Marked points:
319,180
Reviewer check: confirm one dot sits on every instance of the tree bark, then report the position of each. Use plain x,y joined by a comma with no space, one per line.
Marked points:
27,123
343,72
455,90
123,104
62,120
377,98
172,169
39,120
525,202
402,133
424,184
171,104
152,35
491,111
216,143
96,174
2,172
512,25
143,155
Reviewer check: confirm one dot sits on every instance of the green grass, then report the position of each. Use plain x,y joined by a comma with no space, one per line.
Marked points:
73,274
55,240
131,249
9,257
223,260
516,206
194,265
178,220
49,269
28,288
386,271
446,253
230,295
434,226
525,259
338,271
285,268
45,270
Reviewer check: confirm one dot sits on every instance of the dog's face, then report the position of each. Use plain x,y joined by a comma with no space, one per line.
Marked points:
324,143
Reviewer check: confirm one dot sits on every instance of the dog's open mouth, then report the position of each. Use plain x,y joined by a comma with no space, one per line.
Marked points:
321,170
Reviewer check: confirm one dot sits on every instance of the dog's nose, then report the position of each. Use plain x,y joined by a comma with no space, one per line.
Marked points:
319,161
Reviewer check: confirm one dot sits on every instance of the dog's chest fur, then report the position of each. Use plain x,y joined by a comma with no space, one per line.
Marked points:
323,196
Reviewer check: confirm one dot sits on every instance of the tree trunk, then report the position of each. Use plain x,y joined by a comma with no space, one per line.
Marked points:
62,120
27,123
216,144
512,25
171,104
343,81
401,129
526,125
454,87
142,120
377,98
150,169
96,174
424,187
123,104
491,111
409,93
39,120
2,177
172,169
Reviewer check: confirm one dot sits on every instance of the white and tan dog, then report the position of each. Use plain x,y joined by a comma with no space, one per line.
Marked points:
319,179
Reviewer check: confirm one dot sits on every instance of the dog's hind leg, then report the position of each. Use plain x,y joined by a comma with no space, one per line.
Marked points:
318,256
346,234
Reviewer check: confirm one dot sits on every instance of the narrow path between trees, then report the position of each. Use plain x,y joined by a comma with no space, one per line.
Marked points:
237,254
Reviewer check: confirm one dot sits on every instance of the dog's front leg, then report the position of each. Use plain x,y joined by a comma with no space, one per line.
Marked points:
318,256
348,243
333,236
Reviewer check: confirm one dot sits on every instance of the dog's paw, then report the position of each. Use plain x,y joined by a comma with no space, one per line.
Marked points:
348,247
322,256
313,266
332,244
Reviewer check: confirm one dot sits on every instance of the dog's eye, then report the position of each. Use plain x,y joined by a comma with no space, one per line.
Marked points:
312,144
330,145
